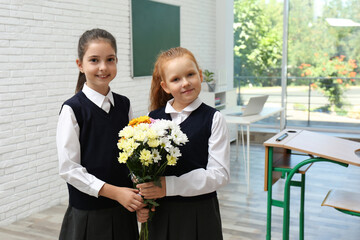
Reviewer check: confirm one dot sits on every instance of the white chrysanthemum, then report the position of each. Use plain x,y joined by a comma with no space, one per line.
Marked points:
165,143
178,136
127,132
174,151
172,125
160,127
155,155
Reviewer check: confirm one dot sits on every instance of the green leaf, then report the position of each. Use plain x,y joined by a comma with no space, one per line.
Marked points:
151,202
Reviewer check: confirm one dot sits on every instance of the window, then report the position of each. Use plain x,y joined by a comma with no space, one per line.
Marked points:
323,53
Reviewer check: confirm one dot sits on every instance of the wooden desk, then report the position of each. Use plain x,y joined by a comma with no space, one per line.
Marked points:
247,121
319,148
343,201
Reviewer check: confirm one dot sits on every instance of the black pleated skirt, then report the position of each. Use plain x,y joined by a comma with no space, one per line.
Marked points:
186,220
105,224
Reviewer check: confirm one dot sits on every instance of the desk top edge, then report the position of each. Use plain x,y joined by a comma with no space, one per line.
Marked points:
323,149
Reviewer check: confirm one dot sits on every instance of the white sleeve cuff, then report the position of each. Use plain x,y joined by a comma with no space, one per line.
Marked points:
95,187
170,185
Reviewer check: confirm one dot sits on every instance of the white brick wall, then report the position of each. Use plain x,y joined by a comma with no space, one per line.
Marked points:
38,40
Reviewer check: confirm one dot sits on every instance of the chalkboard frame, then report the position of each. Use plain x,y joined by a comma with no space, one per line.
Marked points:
155,27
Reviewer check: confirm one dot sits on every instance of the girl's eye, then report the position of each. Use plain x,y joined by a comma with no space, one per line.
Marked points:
175,79
93,60
111,60
191,74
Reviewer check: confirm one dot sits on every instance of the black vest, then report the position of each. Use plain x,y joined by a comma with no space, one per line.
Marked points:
98,141
197,128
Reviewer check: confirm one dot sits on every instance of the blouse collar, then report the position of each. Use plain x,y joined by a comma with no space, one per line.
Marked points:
96,97
190,108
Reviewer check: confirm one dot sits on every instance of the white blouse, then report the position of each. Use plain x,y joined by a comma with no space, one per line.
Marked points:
68,145
217,172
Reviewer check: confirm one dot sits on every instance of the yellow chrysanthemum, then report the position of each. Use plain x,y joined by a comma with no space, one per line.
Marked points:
123,157
139,135
130,145
142,119
153,143
151,133
171,160
121,143
145,157
127,132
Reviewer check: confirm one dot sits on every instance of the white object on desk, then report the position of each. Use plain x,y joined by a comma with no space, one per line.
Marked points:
253,107
247,120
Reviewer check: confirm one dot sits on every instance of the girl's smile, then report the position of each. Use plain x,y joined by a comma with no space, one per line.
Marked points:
189,91
103,76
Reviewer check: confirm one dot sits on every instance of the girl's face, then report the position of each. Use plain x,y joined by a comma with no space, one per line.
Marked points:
182,79
99,65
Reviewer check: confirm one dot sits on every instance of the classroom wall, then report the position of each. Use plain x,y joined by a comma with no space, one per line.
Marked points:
38,41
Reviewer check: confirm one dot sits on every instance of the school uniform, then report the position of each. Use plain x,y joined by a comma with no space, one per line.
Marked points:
87,137
190,210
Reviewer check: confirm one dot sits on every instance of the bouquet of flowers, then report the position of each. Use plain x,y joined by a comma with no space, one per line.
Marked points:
147,146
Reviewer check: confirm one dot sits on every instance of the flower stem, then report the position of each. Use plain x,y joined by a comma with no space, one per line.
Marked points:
144,232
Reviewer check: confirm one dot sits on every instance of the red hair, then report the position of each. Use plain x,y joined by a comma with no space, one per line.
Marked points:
158,97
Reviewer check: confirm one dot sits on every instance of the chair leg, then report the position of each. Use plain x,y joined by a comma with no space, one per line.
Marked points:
269,196
302,205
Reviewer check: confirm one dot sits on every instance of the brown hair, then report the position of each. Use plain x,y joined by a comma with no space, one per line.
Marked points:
84,41
158,97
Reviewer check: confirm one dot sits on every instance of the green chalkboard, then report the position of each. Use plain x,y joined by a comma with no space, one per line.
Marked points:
155,28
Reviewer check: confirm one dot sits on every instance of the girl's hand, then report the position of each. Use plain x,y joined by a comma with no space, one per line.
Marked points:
142,215
130,199
127,197
151,191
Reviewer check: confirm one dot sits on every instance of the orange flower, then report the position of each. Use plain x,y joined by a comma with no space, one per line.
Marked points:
339,80
137,121
304,65
302,74
352,74
307,72
313,85
339,66
316,54
324,69
352,63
